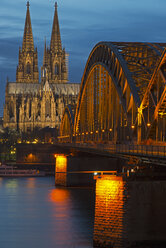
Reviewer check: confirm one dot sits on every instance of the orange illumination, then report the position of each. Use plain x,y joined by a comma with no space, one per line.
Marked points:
110,184
148,124
91,132
109,209
31,158
86,132
61,163
82,133
103,130
97,131
58,195
31,182
110,129
61,170
132,126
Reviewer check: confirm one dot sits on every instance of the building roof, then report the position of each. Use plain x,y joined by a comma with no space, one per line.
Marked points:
34,88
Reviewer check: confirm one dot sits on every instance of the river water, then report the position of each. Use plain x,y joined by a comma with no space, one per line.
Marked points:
35,214
128,213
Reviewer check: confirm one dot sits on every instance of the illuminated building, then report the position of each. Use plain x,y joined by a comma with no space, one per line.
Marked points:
30,103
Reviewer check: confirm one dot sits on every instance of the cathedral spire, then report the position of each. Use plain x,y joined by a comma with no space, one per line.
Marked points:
56,45
28,36
45,54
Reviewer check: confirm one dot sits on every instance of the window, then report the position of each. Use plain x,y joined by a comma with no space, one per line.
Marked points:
56,69
28,68
48,108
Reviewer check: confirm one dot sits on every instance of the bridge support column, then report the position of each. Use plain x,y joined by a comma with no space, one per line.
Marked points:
79,170
127,213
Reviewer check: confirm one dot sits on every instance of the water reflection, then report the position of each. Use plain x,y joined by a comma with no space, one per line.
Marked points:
31,183
129,213
11,184
59,195
36,214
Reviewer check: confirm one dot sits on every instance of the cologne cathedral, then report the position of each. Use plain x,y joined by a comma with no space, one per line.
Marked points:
30,103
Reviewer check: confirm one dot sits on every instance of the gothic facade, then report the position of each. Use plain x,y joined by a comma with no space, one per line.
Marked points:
30,103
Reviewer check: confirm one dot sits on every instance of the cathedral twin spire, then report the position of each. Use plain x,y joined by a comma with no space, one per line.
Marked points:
54,60
28,44
56,45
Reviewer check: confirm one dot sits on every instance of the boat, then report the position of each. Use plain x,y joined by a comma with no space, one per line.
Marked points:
11,171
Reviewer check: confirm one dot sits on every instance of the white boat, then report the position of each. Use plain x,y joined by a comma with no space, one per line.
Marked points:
10,171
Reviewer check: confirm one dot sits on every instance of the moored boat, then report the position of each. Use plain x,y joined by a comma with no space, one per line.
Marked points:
11,171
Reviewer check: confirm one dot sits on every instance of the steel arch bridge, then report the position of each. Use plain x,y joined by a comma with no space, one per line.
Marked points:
67,125
122,95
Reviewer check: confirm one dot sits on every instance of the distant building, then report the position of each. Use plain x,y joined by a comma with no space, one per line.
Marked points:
30,103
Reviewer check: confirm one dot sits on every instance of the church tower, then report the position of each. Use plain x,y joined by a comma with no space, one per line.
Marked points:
27,69
55,60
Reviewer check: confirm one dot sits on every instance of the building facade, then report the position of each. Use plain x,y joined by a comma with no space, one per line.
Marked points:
30,103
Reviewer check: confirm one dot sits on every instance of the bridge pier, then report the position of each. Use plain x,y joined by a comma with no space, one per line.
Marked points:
129,213
79,170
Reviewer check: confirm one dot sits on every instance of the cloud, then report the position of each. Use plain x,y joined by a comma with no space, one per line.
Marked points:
82,24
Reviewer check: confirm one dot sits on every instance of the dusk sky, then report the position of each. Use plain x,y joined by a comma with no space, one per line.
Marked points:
82,25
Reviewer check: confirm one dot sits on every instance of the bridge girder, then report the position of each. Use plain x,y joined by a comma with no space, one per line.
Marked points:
121,61
153,105
67,124
114,90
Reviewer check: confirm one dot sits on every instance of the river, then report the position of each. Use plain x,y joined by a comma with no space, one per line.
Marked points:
35,214
128,213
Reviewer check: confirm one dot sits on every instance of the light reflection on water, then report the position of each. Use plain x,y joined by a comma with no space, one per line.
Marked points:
33,213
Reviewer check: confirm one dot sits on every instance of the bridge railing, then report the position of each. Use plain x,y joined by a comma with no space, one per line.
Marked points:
142,150
152,150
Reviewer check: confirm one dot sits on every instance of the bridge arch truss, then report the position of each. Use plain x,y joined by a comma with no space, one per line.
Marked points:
67,125
116,92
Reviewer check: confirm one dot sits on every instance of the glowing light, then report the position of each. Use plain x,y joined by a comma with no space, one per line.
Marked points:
61,163
28,142
95,173
58,195
103,130
97,131
31,157
82,133
86,132
91,132
109,183
61,170
148,124
132,126
35,141
109,208
12,152
110,129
